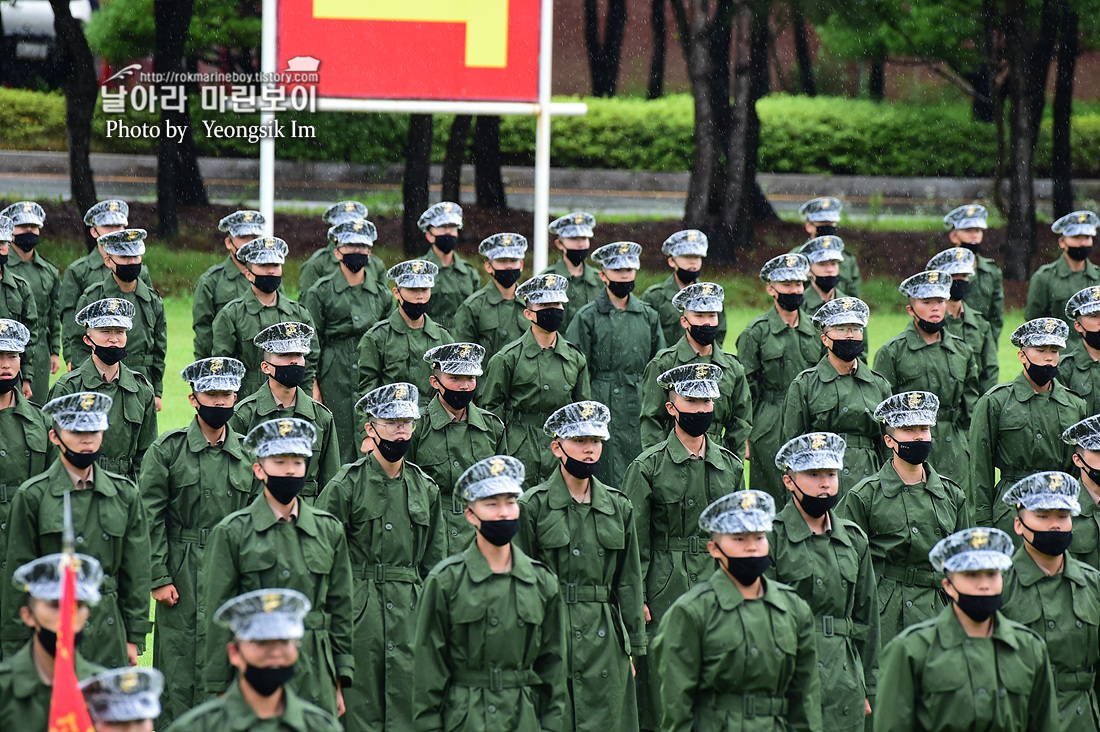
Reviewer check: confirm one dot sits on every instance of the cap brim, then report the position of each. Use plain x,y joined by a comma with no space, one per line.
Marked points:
460,368
110,218
216,383
977,560
815,460
1052,502
415,282
544,298
286,446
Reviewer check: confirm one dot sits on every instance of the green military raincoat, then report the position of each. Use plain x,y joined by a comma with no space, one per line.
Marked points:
231,712
987,294
978,334
391,351
452,286
24,698
323,262
1080,373
1053,284
660,296
217,287
45,283
581,290
486,318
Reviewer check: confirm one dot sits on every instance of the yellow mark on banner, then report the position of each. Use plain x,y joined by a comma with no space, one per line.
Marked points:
486,21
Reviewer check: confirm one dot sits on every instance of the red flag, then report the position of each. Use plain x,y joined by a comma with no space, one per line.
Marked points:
68,713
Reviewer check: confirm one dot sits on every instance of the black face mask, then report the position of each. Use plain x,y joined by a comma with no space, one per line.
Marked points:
978,608
215,417
827,284
414,309
3,259
1093,473
789,301
1041,375
550,319
48,639
959,288
7,385
109,355
621,289
268,283
79,460
391,450
695,424
507,277
848,350
457,399
976,248
578,468
128,272
576,256
499,532
914,452
1092,338
687,276
290,376
266,681
704,335
1051,543
746,570
26,241
824,230
446,243
355,261
1078,254
284,488
815,506
929,327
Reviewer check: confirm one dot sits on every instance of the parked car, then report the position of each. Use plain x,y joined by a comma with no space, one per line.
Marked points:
30,49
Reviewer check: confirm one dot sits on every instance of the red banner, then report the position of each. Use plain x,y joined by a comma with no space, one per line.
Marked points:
68,713
468,50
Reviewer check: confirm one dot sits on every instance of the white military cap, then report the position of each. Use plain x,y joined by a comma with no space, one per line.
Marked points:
14,336
693,380
1078,223
580,419
742,512
927,285
825,208
214,374
42,577
415,273
392,401
125,243
457,359
956,260
82,411
243,223
908,409
288,436
971,216
275,613
503,246
700,297
338,213
792,267
108,213
25,212
444,213
578,225
813,451
290,337
353,231
1083,302
619,255
820,249
1041,332
972,550
686,243
1085,434
7,229
1050,490
842,311
544,289
112,312
493,476
265,250
123,694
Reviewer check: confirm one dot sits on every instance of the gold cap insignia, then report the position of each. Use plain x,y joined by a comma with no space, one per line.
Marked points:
349,206
792,260
933,276
979,539
846,304
272,602
1081,217
131,235
701,371
3,327
285,427
113,306
587,411
358,225
447,208
970,210
417,266
112,205
506,239
464,351
28,207
692,236
748,501
549,281
1050,324
128,682
578,219
914,400
215,365
624,248
291,328
1096,293
269,243
496,466
87,402
817,441
960,253
247,217
825,204
1056,482
708,288
400,392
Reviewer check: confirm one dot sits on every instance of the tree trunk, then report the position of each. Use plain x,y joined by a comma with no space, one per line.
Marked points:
876,86
414,188
488,181
80,95
1021,193
981,105
603,58
660,45
1061,161
1038,63
719,40
457,141
802,51
171,21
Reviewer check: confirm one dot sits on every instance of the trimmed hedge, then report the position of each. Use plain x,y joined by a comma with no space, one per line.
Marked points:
825,135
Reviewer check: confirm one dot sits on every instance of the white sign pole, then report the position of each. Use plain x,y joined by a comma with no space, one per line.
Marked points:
269,38
542,138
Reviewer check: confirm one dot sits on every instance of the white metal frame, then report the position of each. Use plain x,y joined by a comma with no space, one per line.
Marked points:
542,110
